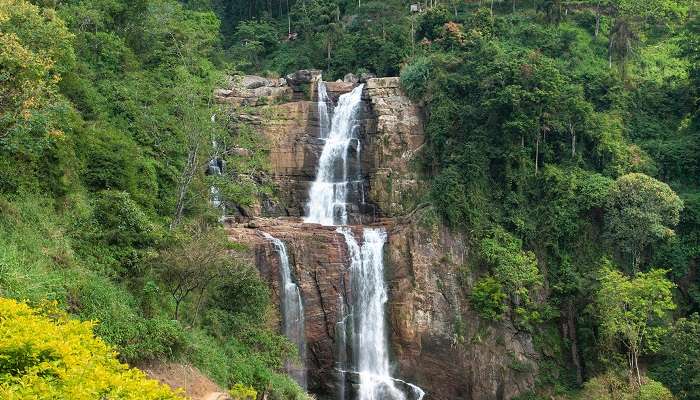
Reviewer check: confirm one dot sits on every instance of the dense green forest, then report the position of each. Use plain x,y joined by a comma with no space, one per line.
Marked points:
563,138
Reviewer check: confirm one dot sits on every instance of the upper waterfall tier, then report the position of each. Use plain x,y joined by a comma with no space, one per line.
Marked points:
335,179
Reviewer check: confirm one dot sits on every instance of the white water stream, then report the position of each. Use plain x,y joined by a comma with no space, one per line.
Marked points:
370,341
328,195
292,312
328,205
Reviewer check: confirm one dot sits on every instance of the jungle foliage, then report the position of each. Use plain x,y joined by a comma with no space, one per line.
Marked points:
106,129
562,137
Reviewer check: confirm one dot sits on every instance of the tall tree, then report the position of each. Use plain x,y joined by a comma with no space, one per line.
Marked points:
633,310
640,211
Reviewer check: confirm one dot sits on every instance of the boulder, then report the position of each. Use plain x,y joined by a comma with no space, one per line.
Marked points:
303,76
351,78
365,76
254,82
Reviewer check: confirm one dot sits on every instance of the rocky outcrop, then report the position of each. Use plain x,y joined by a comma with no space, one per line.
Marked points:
438,341
391,147
250,90
282,111
318,257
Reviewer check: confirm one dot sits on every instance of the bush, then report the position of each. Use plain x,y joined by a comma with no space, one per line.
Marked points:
653,390
110,160
120,324
122,221
242,392
616,387
416,76
46,355
679,364
488,298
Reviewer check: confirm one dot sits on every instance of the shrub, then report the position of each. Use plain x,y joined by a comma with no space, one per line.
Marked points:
242,392
488,298
613,386
120,324
653,390
122,222
46,355
415,77
109,158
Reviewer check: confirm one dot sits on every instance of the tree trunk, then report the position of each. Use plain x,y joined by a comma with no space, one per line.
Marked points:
185,180
537,152
199,303
328,64
575,358
635,356
597,18
573,139
289,20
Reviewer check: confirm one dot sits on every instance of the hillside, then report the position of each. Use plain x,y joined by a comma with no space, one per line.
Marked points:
464,199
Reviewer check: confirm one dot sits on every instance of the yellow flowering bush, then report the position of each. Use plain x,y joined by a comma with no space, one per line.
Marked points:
242,392
46,355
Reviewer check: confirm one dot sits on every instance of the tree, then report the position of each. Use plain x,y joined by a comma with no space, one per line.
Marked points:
198,256
516,269
679,367
257,39
633,310
630,18
640,211
488,298
35,49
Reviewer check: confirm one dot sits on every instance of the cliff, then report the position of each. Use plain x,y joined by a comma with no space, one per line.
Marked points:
438,341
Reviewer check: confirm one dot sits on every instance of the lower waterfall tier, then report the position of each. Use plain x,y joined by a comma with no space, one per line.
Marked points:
424,279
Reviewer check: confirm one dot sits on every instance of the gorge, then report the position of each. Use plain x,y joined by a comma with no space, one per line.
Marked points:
381,289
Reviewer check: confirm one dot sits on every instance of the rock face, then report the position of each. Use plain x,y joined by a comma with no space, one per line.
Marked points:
318,257
285,113
392,143
438,342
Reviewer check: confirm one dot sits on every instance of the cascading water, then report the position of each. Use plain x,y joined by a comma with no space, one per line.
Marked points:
216,167
292,311
328,205
369,340
328,195
324,117
341,347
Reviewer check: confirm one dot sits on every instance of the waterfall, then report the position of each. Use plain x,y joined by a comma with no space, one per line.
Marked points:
292,312
328,195
341,347
216,167
328,205
370,337
324,118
